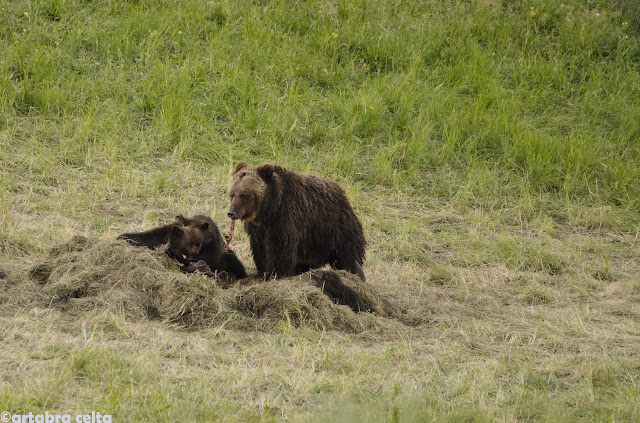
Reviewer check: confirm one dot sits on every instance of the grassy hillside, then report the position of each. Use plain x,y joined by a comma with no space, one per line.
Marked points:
491,149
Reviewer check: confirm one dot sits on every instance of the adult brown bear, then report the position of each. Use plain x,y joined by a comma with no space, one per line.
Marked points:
295,222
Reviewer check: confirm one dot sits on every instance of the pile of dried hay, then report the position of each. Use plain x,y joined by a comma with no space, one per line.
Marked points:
85,276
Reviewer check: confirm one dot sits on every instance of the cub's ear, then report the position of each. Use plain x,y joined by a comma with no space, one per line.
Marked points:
266,171
177,231
240,165
180,219
204,226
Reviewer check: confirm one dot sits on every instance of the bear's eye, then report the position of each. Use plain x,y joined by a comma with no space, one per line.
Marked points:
244,196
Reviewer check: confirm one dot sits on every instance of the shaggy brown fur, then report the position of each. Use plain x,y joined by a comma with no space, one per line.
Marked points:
331,284
191,240
295,222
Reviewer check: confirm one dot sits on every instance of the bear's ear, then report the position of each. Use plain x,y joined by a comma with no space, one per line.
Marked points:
177,231
266,171
240,165
179,220
204,226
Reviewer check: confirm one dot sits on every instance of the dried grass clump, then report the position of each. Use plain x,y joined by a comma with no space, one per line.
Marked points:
301,304
194,302
85,275
259,306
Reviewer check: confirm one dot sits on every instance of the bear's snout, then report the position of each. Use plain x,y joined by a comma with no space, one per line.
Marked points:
231,214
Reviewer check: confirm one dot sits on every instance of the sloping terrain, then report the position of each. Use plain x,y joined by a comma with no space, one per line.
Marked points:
491,149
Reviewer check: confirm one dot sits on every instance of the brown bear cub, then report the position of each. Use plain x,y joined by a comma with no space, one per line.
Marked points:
191,240
295,222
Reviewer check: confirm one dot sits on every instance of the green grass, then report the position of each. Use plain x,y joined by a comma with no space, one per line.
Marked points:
408,95
491,150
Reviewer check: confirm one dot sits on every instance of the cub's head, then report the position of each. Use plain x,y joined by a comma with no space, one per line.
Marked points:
247,189
187,237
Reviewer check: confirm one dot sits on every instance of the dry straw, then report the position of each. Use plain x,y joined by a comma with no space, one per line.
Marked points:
89,276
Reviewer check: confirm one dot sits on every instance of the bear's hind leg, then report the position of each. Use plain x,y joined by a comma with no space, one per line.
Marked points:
331,284
301,268
352,266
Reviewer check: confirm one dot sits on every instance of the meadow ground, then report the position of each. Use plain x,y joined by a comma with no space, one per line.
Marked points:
490,148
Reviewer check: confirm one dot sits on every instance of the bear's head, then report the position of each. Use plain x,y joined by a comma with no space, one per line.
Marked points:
187,237
247,188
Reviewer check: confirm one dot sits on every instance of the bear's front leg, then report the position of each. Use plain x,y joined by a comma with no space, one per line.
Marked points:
259,253
281,255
